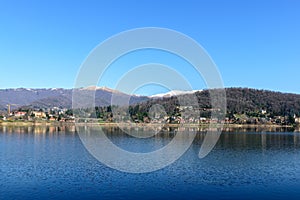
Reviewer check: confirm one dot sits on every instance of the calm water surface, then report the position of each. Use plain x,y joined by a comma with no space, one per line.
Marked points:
52,163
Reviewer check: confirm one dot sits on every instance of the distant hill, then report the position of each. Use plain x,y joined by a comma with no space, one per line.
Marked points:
56,97
249,100
239,100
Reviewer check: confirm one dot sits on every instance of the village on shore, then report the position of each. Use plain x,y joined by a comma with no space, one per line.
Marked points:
104,115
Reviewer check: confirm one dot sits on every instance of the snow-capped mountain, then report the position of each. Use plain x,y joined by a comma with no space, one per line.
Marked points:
58,97
173,93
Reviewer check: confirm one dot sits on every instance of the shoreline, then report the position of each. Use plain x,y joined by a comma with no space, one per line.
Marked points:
215,125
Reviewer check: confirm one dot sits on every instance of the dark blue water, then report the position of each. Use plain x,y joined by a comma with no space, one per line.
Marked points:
52,163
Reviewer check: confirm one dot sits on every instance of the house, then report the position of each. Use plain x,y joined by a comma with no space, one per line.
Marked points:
203,119
297,119
263,111
39,114
19,114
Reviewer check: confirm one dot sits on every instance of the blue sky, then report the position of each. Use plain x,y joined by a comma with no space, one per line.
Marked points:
254,43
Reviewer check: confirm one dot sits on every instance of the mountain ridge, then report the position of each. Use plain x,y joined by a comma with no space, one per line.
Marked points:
174,93
56,97
238,99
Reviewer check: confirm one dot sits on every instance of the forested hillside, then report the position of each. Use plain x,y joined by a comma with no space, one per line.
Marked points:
240,101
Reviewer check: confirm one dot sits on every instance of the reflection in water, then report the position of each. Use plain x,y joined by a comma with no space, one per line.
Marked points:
260,137
37,129
263,140
43,162
112,128
261,129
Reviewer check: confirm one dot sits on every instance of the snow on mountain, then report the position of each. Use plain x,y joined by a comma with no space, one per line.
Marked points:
107,89
59,97
173,93
93,87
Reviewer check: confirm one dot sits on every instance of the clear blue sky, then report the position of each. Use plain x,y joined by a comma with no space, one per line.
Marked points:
254,43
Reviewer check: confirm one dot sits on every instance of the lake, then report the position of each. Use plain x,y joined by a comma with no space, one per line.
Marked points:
45,162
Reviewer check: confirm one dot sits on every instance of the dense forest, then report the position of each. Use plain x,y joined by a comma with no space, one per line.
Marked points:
245,101
255,106
239,100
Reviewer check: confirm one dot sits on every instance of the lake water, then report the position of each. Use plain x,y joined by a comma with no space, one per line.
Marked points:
52,163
